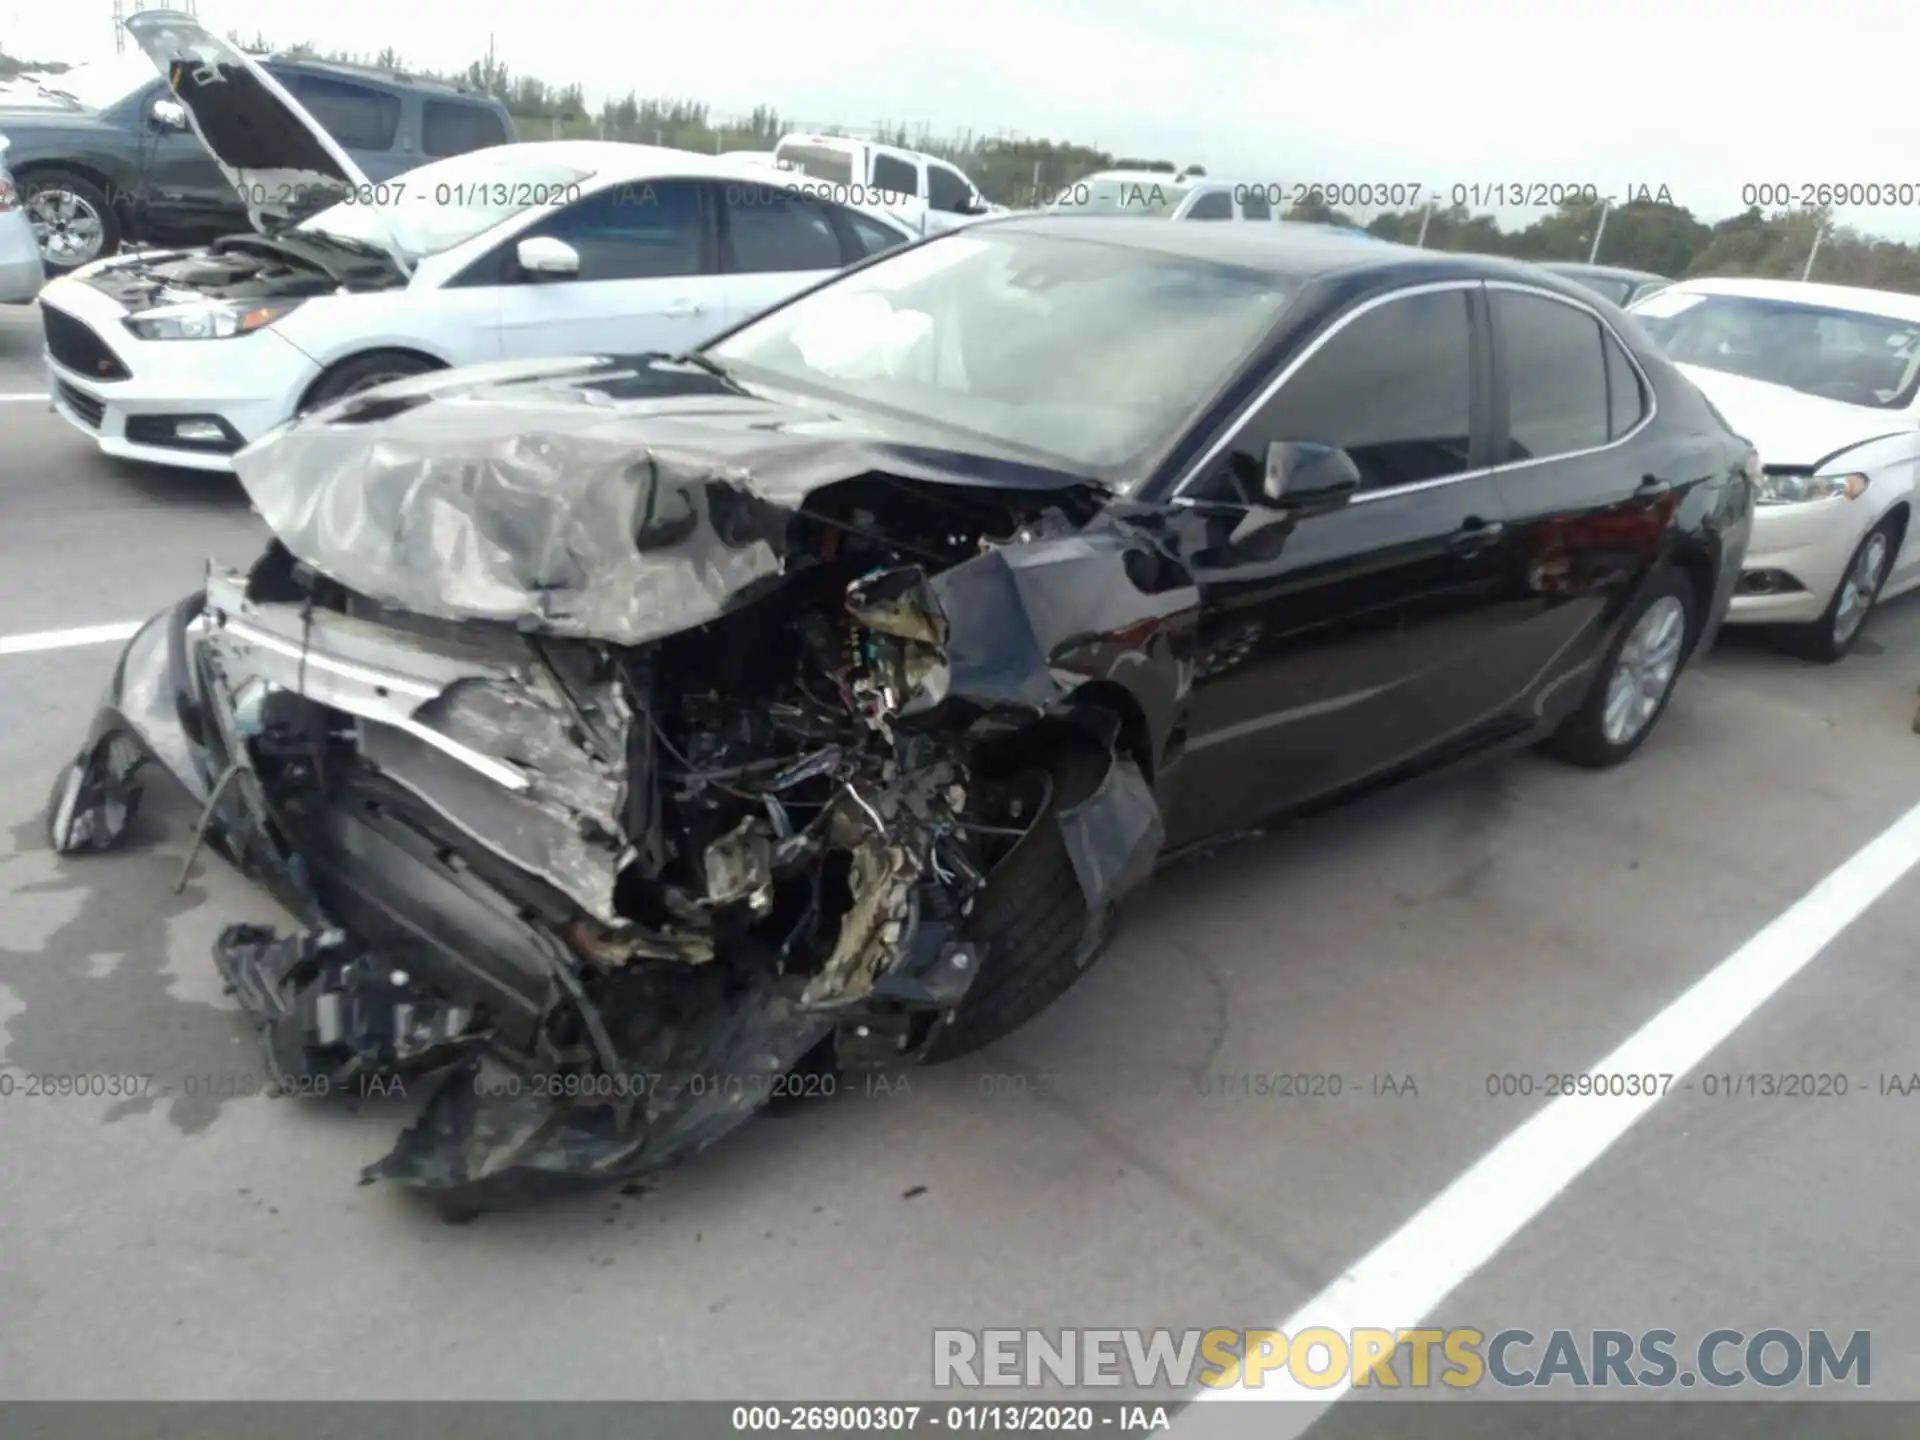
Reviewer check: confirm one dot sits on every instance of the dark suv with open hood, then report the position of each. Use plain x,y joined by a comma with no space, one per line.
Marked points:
105,154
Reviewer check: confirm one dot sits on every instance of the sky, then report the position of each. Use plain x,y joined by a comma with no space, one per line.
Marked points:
1704,97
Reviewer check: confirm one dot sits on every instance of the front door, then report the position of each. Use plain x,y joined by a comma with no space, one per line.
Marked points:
1353,641
648,276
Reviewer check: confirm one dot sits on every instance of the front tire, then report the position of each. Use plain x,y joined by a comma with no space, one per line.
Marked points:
72,220
1840,625
363,372
1636,679
1031,921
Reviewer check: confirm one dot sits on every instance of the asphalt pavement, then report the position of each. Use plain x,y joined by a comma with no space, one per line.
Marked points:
1106,1166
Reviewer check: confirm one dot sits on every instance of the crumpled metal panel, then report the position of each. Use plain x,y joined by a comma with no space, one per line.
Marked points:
551,505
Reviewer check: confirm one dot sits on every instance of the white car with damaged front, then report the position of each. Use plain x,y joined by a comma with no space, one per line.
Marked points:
1824,381
517,252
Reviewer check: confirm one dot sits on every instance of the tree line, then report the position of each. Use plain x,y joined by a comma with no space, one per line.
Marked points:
1644,234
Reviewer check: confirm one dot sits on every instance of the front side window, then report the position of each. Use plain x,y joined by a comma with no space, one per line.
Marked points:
947,191
1846,355
649,230
1096,357
1556,371
769,228
1254,204
358,117
1214,205
1393,388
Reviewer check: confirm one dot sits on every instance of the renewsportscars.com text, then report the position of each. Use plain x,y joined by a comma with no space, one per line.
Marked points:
1459,1359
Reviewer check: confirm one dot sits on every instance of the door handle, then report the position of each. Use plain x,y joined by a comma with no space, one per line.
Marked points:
1475,535
683,307
1650,489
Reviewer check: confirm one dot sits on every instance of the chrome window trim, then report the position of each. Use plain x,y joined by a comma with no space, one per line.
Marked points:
1363,497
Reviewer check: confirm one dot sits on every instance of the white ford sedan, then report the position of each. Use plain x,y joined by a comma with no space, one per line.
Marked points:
1824,380
512,253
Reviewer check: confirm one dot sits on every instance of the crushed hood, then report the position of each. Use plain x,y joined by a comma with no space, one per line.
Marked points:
620,500
281,160
1790,427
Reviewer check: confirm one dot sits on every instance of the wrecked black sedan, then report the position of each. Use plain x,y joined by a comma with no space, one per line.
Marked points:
629,733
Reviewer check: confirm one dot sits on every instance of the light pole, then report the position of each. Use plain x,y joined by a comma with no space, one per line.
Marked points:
1425,220
1593,255
1818,235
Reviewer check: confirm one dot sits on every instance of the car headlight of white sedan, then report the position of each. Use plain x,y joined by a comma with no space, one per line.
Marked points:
208,319
1777,488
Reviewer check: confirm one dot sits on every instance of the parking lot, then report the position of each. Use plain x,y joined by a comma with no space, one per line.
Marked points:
1108,1166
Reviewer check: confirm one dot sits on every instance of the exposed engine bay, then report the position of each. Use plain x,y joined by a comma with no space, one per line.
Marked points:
243,267
615,891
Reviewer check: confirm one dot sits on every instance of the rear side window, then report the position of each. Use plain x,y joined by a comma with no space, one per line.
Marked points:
1214,205
1556,373
870,235
358,116
772,229
453,127
947,191
1393,388
1626,399
892,173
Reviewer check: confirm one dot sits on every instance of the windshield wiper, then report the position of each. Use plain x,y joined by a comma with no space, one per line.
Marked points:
701,361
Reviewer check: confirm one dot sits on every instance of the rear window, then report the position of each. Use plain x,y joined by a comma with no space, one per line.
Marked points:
453,127
819,161
359,117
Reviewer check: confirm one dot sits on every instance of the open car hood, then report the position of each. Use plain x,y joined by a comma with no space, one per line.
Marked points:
281,160
1788,426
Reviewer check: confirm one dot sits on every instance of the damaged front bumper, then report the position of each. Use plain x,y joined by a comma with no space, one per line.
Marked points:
609,945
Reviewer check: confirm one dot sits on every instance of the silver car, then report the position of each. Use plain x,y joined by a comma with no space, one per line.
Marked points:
20,271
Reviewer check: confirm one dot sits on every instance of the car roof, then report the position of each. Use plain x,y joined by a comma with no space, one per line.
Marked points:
1579,269
1294,250
613,161
1891,304
399,79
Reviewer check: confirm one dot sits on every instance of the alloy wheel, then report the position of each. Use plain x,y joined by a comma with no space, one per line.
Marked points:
69,230
1644,670
1861,585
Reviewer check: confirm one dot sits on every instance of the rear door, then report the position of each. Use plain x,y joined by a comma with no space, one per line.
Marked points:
1362,642
1590,505
649,275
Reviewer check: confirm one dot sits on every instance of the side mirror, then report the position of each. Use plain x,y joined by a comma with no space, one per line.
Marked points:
1301,475
168,114
546,258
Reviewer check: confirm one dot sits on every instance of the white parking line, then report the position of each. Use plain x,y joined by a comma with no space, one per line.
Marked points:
22,399
1400,1282
67,639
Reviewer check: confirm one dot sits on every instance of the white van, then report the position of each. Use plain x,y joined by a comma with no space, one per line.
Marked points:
1157,195
929,191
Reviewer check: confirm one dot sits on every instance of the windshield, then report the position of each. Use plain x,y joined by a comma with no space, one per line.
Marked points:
1836,354
96,84
1095,356
1105,195
440,205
